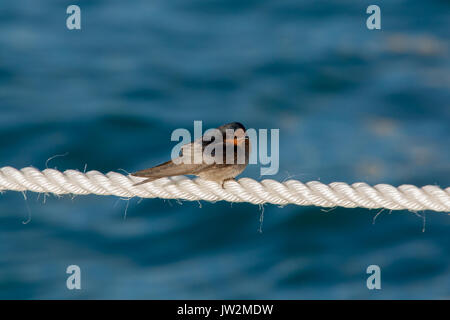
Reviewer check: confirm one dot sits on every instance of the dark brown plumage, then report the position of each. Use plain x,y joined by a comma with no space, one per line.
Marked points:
209,168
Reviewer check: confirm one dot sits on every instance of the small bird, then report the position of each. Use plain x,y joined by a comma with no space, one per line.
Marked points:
232,140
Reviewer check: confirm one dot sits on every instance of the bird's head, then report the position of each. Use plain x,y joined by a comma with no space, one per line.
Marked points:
233,132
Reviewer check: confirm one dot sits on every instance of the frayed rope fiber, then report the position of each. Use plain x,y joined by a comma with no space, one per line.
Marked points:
244,190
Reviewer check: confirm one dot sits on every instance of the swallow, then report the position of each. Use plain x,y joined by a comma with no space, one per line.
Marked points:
214,165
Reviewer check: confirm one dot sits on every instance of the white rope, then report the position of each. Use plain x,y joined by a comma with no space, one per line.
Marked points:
245,190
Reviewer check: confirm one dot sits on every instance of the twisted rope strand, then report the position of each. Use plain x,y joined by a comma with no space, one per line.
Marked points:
245,190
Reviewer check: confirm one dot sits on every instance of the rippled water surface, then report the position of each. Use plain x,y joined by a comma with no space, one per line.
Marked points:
351,105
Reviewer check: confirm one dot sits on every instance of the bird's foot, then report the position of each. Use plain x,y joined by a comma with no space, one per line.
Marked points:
229,179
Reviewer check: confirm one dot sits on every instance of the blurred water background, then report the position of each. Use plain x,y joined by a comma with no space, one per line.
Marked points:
351,105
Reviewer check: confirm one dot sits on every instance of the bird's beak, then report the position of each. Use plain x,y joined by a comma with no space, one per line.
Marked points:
236,141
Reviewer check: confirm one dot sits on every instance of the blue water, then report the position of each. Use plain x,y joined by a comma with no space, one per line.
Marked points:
351,105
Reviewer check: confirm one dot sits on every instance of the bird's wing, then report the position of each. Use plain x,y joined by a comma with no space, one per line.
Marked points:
189,152
194,152
163,170
177,167
211,152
